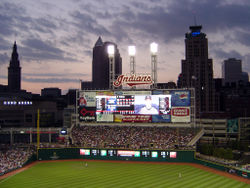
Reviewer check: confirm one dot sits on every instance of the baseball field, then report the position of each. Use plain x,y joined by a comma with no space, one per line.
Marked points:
117,174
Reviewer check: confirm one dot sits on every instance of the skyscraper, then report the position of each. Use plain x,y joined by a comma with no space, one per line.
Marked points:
100,66
14,72
232,72
197,69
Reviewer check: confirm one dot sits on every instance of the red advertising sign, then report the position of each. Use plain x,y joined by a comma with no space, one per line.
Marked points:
133,80
87,113
137,118
180,114
180,111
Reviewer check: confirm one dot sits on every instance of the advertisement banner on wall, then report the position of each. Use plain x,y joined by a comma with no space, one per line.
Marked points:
180,98
180,114
87,99
161,118
87,113
132,93
104,117
157,92
105,93
133,118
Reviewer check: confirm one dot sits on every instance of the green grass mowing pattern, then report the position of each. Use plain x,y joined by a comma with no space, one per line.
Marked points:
107,174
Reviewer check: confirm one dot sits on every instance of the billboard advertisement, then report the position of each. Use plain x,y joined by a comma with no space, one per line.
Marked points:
161,118
180,114
104,117
127,153
133,118
107,93
132,92
84,151
173,154
180,98
87,113
87,99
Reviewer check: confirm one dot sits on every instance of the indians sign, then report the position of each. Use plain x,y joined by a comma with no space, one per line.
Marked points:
133,80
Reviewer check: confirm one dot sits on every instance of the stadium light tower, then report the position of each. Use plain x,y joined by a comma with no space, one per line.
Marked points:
111,54
154,50
131,53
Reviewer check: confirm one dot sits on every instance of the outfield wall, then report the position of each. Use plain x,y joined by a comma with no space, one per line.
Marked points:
221,167
133,155
116,154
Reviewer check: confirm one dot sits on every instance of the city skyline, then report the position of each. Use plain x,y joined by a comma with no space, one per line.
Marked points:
55,39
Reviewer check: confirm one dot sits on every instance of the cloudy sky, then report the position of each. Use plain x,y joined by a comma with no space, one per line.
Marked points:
55,38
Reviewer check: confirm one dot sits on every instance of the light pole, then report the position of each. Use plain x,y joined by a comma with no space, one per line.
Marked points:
111,54
154,50
131,53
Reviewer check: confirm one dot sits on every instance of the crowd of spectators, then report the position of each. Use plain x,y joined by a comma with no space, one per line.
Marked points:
13,157
131,137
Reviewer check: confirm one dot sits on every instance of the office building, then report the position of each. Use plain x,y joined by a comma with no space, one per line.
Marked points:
197,69
232,74
100,66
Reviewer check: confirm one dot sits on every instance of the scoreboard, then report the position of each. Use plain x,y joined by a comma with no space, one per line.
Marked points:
135,106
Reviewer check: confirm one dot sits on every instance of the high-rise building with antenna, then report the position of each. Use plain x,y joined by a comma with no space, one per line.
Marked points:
197,69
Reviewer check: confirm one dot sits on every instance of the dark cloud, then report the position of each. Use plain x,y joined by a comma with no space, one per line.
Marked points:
6,28
4,59
88,23
44,25
4,44
221,54
36,49
9,14
42,46
243,37
172,22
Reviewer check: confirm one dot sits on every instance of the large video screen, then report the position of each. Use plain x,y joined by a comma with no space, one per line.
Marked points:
159,107
139,104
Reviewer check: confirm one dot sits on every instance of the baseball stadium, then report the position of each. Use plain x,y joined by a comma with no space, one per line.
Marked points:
121,138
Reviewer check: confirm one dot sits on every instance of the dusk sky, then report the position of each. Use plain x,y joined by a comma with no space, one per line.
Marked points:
55,38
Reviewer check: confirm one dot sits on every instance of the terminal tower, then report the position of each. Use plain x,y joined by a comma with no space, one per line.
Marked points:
14,72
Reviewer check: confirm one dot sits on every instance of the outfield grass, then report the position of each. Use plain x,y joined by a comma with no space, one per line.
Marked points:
107,174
